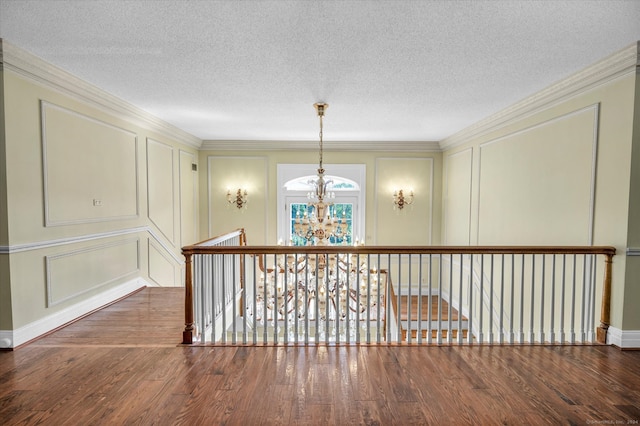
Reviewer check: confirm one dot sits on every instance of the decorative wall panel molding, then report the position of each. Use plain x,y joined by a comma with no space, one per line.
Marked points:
529,178
161,187
461,205
161,266
188,198
90,168
71,274
251,173
393,173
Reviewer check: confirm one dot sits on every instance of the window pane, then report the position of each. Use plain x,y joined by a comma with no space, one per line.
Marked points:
304,183
300,235
344,216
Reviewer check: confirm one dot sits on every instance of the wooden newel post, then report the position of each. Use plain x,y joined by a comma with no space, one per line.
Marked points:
187,334
605,316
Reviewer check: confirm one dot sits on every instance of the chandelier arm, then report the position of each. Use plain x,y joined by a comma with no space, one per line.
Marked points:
353,296
290,296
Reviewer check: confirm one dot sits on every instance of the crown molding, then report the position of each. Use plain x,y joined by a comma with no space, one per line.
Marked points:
376,146
29,66
616,65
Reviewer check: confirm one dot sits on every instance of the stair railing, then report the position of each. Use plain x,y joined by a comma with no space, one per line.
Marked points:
249,295
218,279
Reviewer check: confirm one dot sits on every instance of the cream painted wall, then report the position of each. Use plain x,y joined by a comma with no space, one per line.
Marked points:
37,259
631,317
161,192
258,169
97,264
4,229
457,198
413,224
535,185
63,249
6,321
163,270
530,180
87,188
6,308
232,173
188,198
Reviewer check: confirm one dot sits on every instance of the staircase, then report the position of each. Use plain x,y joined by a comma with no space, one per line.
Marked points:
439,318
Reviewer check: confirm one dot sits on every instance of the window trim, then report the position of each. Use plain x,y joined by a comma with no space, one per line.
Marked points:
354,172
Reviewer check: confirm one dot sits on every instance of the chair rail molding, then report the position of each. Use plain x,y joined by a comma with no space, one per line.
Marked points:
37,245
633,251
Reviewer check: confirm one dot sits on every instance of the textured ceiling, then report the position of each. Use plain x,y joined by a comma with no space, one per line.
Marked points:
390,70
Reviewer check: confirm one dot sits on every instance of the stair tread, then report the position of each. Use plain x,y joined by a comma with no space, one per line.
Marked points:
426,300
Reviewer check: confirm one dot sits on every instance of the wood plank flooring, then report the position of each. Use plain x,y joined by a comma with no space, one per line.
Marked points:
124,365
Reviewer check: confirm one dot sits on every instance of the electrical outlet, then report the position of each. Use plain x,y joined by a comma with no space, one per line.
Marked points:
97,203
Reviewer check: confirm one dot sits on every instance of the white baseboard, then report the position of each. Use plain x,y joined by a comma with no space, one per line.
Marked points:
624,339
6,339
14,338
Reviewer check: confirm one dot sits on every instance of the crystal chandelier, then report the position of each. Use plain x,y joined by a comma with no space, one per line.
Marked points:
322,294
328,296
318,227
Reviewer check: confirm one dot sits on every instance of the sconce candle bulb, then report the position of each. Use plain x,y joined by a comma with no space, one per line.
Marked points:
239,199
400,200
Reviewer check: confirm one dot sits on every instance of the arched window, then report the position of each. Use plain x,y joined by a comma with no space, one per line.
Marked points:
304,183
294,185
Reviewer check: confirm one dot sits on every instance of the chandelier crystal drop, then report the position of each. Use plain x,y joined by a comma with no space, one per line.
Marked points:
321,292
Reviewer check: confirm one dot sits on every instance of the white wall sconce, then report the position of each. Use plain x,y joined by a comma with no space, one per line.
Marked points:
240,198
400,200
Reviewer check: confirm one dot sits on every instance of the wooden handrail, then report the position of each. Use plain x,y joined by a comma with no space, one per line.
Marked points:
197,249
213,240
205,247
189,322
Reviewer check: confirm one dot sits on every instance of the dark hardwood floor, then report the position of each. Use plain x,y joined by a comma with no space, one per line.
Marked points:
124,365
